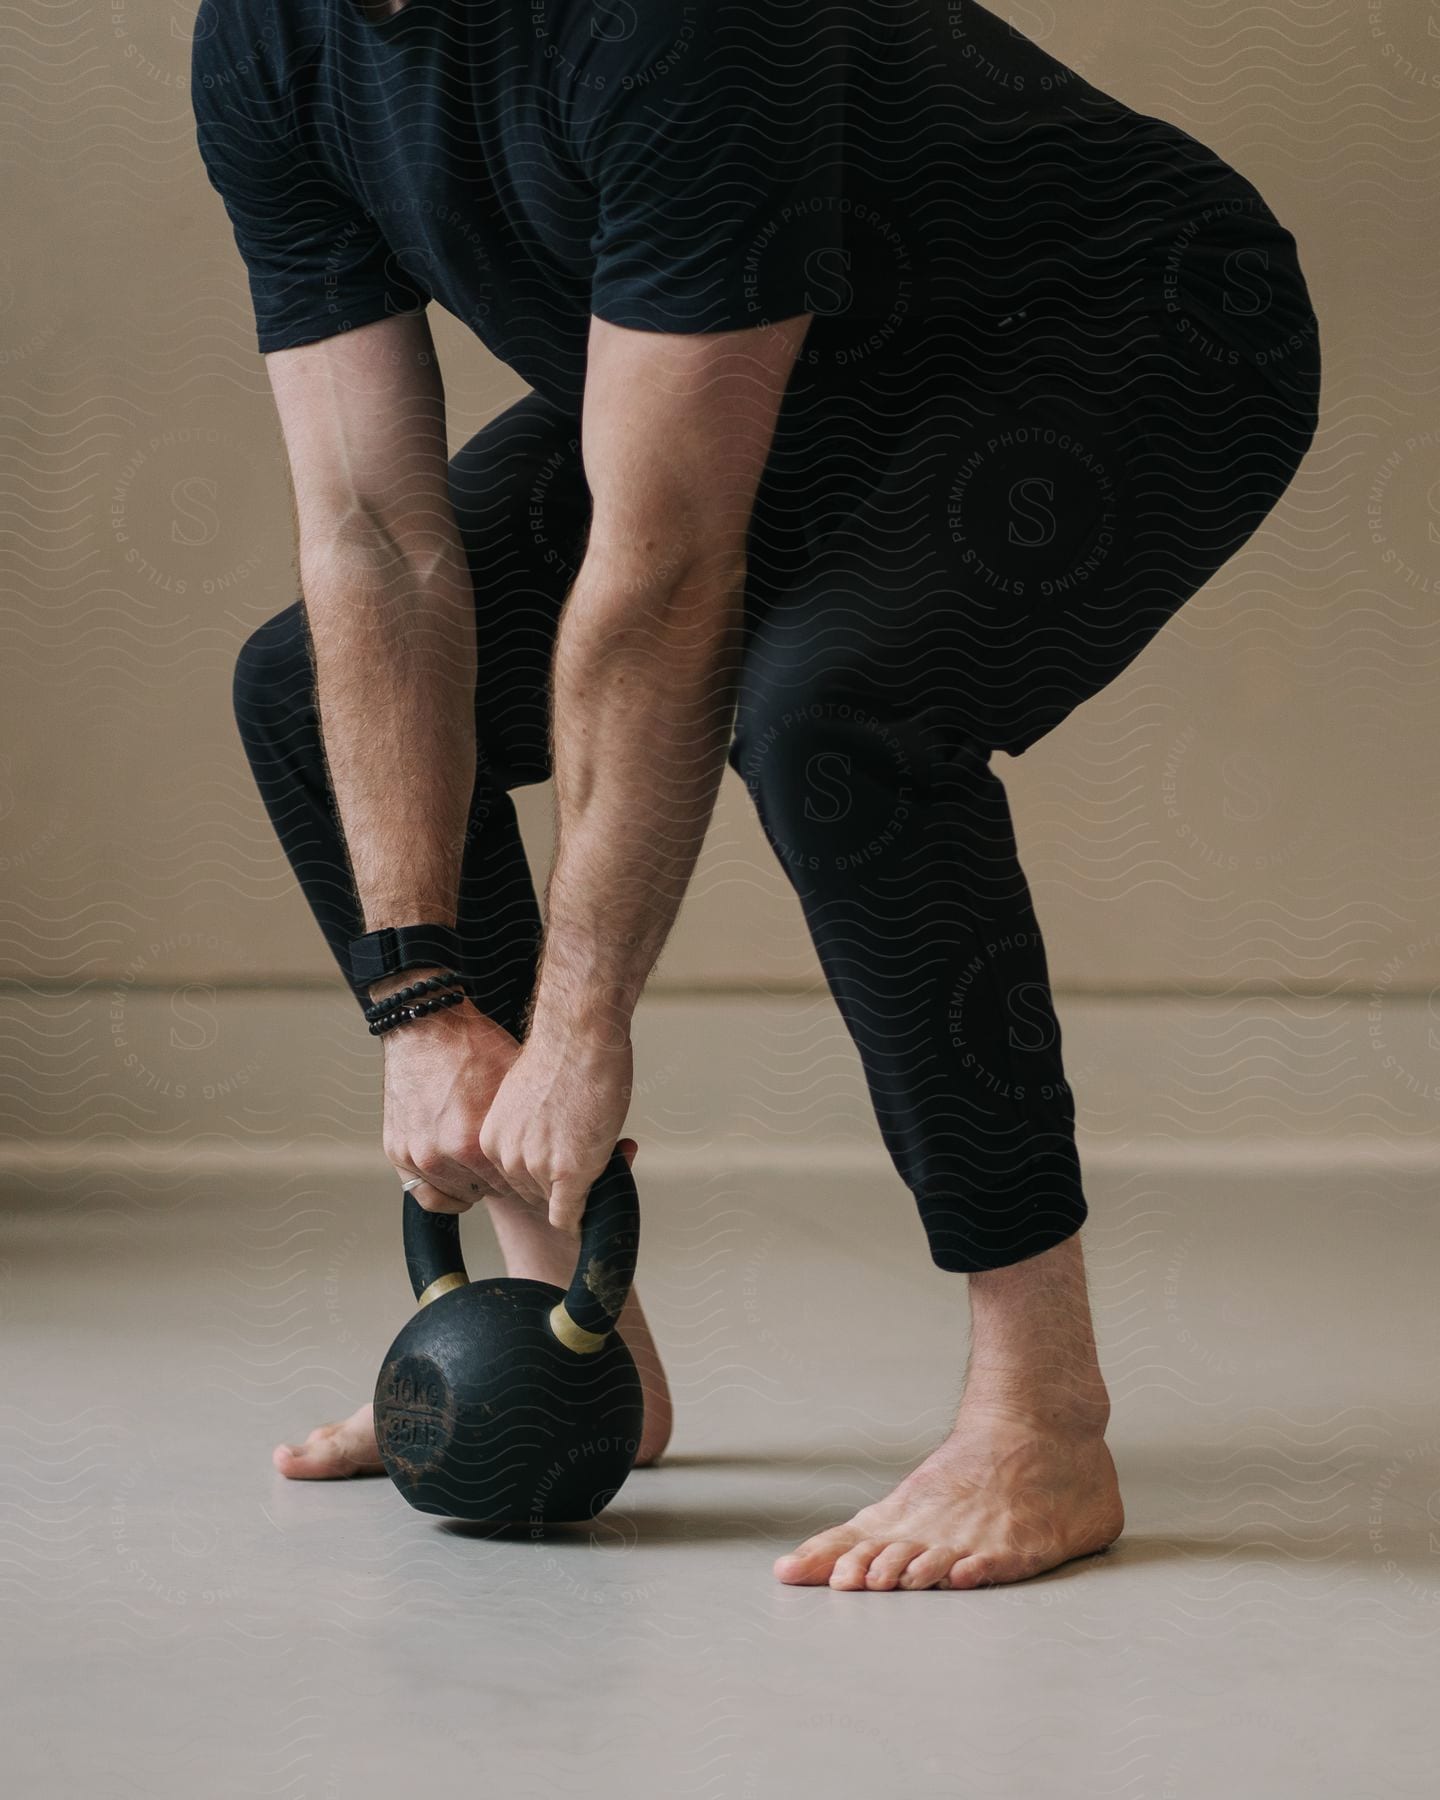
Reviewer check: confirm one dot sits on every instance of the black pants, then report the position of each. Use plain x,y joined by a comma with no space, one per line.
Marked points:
932,578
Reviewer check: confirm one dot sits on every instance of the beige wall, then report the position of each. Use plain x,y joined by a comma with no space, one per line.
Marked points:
1252,804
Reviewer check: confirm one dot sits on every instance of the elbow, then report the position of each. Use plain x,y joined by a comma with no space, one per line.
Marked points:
365,546
659,576
682,610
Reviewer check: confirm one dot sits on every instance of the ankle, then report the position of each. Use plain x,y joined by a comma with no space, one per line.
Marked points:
533,1250
1073,1404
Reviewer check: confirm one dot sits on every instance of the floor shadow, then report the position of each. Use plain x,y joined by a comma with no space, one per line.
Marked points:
686,1524
764,1461
1271,1549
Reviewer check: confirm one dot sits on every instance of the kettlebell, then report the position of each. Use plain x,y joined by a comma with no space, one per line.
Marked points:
515,1402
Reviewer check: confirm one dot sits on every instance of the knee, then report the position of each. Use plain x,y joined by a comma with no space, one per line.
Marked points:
273,677
834,774
790,739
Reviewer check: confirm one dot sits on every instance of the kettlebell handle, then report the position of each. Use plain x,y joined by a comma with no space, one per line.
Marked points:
609,1242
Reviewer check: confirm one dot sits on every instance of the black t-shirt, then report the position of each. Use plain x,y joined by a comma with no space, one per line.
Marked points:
895,168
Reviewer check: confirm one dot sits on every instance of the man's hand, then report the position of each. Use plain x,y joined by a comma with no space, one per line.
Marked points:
556,1120
440,1079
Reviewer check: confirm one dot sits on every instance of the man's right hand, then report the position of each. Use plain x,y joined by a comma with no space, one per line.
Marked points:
440,1076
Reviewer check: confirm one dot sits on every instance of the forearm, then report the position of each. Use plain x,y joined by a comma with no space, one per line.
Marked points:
643,703
393,631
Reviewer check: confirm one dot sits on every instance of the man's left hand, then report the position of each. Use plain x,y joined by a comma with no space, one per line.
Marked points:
555,1121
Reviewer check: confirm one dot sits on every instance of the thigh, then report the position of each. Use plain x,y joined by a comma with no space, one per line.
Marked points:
1013,543
1108,509
523,509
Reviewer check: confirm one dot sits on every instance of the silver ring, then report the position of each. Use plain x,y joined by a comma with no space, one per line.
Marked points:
409,1187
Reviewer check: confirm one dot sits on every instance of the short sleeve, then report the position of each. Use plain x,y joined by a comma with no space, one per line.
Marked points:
317,264
716,150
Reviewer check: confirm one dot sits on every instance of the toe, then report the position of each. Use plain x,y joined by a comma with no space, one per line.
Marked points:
810,1565
927,1569
852,1568
993,1571
313,1460
968,1572
331,1452
889,1565
292,1460
975,1572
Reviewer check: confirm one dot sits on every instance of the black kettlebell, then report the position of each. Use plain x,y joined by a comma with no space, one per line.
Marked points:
515,1402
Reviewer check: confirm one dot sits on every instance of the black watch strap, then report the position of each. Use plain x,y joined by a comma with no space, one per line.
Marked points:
396,948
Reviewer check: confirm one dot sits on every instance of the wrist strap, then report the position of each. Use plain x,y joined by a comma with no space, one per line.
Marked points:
395,948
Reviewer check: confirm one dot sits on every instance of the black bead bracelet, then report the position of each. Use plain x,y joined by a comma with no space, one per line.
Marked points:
408,1004
407,1015
378,1008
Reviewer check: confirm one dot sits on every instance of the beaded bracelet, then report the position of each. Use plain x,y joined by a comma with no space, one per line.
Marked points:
421,1009
378,1008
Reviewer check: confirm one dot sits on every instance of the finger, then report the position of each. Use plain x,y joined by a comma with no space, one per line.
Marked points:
432,1198
503,1185
513,1184
484,1181
492,1173
522,1187
445,1185
628,1149
567,1203
531,1188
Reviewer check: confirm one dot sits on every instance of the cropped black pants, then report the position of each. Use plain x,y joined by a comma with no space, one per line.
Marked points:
947,556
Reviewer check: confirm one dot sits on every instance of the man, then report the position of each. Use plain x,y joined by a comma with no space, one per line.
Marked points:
892,387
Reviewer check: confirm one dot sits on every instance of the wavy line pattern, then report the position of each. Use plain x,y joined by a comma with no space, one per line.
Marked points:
1244,814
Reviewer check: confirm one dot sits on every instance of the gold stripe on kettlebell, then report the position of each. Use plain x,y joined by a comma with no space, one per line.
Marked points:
443,1286
575,1337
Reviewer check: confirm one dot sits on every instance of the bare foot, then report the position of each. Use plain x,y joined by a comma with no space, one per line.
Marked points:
332,1452
1003,1498
348,1447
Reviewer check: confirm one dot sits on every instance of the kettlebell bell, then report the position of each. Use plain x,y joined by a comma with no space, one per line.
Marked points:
515,1402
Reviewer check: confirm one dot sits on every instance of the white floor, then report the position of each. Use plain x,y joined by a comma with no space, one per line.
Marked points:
181,1622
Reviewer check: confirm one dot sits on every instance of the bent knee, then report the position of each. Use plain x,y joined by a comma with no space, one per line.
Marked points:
273,670
825,768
